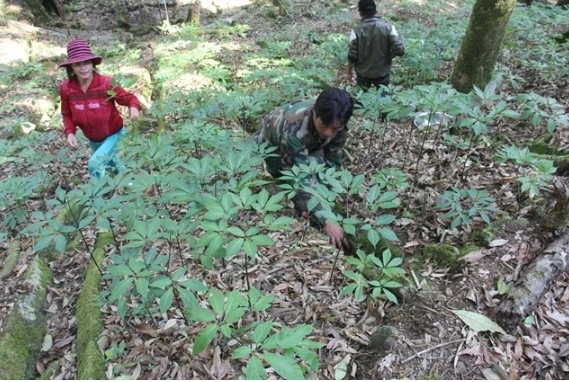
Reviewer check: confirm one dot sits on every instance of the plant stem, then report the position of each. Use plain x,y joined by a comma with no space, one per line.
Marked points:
334,266
179,304
247,275
114,237
84,239
382,137
464,172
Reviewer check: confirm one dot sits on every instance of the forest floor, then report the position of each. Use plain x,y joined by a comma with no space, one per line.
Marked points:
428,341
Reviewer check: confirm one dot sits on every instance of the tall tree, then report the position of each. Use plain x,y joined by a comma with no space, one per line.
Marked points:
481,44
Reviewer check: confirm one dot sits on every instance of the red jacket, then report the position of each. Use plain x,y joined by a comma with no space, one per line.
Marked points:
94,111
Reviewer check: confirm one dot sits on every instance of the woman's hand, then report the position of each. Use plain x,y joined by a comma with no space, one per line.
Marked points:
134,113
72,141
336,235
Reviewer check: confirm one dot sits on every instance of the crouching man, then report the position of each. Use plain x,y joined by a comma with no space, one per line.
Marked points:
309,131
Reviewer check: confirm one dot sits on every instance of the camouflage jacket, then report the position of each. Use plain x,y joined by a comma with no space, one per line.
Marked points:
291,130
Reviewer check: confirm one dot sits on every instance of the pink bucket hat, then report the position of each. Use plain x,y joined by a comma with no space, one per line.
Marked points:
79,50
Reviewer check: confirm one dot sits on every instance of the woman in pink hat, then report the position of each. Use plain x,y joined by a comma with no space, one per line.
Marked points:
88,101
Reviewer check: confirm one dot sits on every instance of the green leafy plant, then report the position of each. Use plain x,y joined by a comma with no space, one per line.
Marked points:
282,348
464,204
388,267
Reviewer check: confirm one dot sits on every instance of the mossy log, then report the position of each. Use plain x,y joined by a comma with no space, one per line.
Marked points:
90,361
11,260
25,327
533,284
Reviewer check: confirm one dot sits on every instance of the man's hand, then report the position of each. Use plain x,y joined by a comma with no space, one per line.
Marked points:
134,113
336,235
351,78
72,141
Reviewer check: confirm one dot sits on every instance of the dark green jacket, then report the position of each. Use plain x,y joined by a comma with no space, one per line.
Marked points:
373,44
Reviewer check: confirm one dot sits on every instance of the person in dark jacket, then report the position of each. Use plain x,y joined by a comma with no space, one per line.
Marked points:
373,44
88,101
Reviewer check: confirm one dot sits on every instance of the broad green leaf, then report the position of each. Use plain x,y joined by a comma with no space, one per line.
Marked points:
121,308
387,234
120,289
225,330
262,331
178,273
200,314
187,297
286,367
216,300
252,231
394,262
60,242
254,295
263,303
308,356
241,352
215,244
385,219
250,248
193,284
204,338
255,370
142,287
263,240
234,315
391,284
245,195
340,370
120,270
166,300
373,237
42,243
161,282
234,246
390,296
272,342
236,231
135,265
215,212
348,289
478,322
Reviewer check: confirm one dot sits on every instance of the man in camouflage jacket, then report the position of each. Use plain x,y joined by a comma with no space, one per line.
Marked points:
373,44
309,131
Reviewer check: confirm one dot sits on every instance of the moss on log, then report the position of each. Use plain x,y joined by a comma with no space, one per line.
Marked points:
11,260
90,360
25,327
533,284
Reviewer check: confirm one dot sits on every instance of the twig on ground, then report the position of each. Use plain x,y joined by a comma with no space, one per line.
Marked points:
418,354
415,279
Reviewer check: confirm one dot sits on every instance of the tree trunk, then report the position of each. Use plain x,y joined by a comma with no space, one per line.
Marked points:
194,13
43,9
481,44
